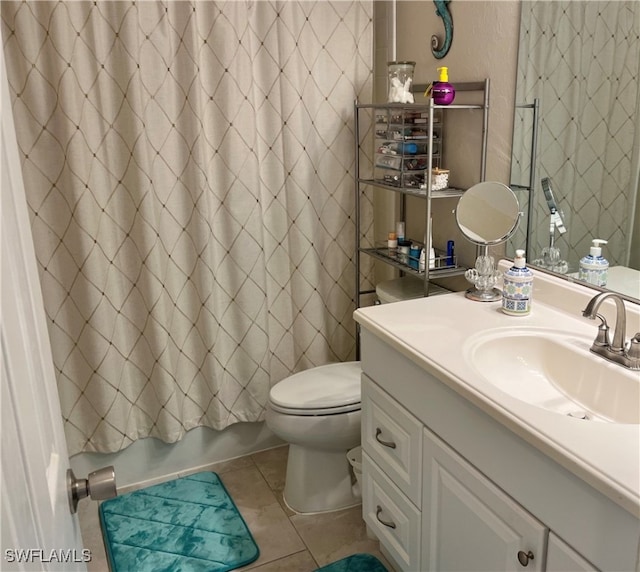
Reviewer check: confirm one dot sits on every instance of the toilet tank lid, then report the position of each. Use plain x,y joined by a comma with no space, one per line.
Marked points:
331,385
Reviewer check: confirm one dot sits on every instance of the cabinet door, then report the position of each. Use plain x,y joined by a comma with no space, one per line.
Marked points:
562,558
468,523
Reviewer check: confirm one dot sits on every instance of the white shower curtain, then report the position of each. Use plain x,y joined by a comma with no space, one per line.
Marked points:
189,170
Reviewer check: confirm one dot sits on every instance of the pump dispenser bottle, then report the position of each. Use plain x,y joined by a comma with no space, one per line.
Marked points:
594,267
518,287
442,91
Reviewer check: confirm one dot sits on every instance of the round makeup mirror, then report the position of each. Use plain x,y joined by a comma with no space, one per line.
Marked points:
487,214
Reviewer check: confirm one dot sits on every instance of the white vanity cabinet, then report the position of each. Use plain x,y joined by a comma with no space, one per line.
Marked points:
430,509
446,487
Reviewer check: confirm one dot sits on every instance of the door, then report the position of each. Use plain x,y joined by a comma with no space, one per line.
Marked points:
470,524
38,530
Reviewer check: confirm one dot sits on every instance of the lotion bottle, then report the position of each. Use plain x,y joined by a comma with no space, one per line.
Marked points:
442,91
594,267
400,231
518,287
423,260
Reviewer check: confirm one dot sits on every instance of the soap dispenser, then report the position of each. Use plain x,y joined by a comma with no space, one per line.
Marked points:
518,287
442,91
594,267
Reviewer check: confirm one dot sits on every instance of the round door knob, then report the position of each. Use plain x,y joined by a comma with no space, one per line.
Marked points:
102,484
524,557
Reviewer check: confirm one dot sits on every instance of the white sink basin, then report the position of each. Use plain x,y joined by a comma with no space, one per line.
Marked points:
556,371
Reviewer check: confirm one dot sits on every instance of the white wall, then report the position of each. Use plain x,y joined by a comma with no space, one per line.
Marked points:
148,461
485,45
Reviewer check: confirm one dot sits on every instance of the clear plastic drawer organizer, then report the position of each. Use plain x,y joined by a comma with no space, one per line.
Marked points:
402,152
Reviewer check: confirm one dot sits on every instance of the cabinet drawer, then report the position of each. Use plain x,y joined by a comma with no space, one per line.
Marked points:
392,437
391,516
402,162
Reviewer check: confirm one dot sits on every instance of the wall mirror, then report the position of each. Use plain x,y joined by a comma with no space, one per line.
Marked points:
487,214
577,126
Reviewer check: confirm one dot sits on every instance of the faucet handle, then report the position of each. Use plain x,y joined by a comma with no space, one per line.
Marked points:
602,339
634,347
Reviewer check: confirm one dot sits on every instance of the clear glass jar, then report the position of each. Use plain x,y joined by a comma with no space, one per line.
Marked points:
400,81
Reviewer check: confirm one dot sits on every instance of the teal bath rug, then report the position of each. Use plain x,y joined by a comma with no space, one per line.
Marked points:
189,524
355,563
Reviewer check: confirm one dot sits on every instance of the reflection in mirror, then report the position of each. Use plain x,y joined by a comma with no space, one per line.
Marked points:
579,61
551,258
487,214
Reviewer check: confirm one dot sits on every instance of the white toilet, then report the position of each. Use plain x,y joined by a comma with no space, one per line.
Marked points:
404,288
317,412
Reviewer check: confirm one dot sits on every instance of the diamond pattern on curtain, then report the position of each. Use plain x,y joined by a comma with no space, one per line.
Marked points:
189,171
582,60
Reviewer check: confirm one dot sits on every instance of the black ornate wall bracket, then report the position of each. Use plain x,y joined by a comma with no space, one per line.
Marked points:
442,10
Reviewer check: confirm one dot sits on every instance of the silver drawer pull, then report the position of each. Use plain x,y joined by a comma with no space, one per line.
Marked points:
389,444
389,524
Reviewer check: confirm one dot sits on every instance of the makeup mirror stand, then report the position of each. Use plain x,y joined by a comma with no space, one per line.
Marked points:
487,214
484,277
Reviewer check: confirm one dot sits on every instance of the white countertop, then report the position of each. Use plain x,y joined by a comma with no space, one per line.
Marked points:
432,332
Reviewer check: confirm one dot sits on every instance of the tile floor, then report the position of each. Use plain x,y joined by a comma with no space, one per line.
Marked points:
288,542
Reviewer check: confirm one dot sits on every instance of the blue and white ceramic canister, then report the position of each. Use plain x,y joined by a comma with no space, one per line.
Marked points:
518,287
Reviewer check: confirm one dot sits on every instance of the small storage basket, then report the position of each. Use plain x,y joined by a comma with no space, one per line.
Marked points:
439,179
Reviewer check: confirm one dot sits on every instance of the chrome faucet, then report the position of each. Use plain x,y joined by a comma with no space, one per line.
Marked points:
626,355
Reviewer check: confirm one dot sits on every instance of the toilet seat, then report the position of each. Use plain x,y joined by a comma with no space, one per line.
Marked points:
326,390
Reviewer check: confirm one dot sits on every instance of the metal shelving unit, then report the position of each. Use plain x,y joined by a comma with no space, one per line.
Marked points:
410,173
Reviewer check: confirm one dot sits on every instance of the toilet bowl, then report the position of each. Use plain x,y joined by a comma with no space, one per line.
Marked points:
317,412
